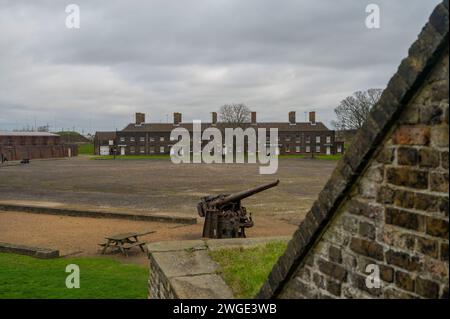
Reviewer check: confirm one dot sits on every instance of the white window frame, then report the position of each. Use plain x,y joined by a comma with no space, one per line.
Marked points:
162,149
328,139
318,139
317,148
308,149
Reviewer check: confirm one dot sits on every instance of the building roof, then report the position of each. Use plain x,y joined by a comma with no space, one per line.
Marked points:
8,133
105,135
412,73
282,126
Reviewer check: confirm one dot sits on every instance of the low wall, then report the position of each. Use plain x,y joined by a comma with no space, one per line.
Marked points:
37,252
184,270
19,152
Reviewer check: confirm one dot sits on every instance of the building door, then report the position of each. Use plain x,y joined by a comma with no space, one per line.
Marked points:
122,150
69,152
328,150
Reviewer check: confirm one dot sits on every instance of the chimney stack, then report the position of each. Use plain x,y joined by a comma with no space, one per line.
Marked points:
312,117
176,118
253,118
140,118
292,119
214,118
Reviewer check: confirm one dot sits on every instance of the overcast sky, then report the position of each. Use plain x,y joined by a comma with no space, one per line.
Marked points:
192,56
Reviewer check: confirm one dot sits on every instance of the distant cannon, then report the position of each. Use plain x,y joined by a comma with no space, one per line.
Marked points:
224,215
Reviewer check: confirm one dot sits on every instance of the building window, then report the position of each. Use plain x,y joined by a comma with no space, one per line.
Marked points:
132,139
152,149
288,149
161,139
142,138
152,139
318,149
132,149
328,139
308,149
122,139
287,139
308,139
317,139
161,149
339,148
297,149
142,149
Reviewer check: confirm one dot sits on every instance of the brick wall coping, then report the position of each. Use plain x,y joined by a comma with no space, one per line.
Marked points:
411,74
183,269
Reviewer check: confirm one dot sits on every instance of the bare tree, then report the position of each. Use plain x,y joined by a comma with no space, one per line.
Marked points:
353,110
234,113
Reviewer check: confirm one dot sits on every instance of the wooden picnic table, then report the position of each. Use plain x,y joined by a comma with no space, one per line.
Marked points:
124,242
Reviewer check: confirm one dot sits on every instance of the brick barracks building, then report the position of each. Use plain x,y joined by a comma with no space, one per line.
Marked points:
142,138
32,145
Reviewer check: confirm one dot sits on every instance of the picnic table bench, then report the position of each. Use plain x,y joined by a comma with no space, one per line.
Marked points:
124,242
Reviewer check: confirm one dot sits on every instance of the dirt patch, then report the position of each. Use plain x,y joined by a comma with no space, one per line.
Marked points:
79,235
160,186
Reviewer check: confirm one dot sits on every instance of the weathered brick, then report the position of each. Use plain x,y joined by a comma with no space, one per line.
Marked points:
437,227
427,247
386,273
334,254
427,288
439,182
386,155
427,202
444,251
439,135
403,260
407,156
332,270
333,287
404,219
357,207
367,248
404,281
367,230
444,160
319,280
360,282
431,114
403,176
385,195
428,158
411,135
403,198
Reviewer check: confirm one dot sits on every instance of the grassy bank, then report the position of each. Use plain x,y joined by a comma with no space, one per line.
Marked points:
87,149
131,157
245,270
27,277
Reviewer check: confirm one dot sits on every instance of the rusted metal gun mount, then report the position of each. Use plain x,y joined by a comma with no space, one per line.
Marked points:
224,215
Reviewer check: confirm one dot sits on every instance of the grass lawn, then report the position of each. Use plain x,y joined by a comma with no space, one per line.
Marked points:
131,157
335,157
245,270
27,277
87,148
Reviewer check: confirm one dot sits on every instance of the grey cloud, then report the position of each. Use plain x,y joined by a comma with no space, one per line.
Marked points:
162,56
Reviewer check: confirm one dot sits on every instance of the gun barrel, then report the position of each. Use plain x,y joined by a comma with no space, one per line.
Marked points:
244,194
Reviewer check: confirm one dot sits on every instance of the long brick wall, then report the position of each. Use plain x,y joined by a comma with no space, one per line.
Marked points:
386,204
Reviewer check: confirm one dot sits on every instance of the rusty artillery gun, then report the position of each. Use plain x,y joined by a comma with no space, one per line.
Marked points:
224,215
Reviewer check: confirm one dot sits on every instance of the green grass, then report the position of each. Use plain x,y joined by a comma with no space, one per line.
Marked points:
335,157
87,148
245,270
292,156
27,277
131,157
